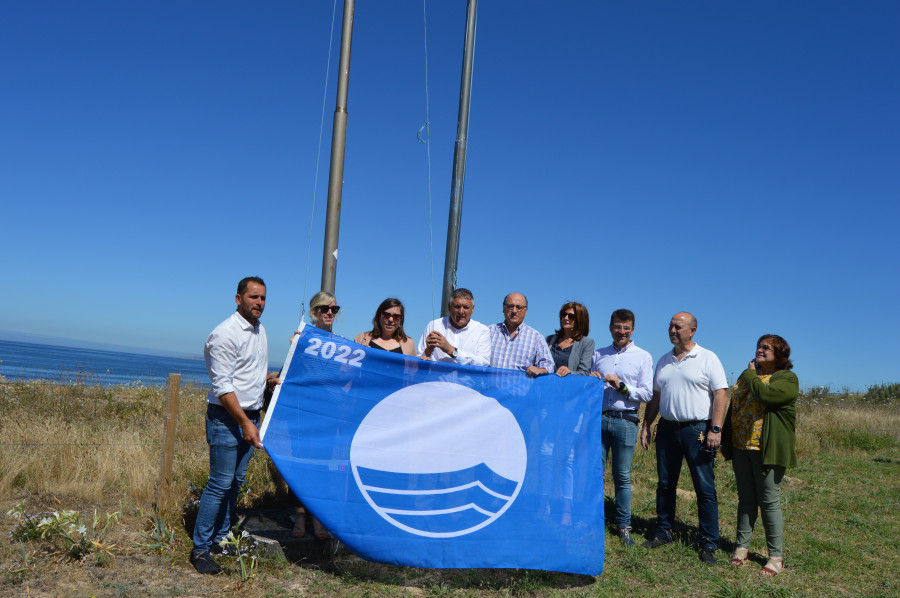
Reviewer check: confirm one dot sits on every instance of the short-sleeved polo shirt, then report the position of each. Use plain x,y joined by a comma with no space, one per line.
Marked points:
686,387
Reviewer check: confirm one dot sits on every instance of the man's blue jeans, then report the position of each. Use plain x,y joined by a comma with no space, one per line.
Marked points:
674,444
229,457
619,437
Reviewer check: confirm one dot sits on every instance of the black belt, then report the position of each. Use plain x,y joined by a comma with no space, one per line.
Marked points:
626,415
251,413
693,422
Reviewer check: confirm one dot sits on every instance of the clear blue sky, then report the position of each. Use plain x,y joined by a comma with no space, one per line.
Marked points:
737,160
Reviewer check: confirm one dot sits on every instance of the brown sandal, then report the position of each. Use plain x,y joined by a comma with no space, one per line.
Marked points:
739,557
773,567
319,530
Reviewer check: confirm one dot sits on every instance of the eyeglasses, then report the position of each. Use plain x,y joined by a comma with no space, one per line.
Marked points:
390,316
511,307
329,308
567,316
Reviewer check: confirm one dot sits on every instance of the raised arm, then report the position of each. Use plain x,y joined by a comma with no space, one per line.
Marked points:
423,350
783,388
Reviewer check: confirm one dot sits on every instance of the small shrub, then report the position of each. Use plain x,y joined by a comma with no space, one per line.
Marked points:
68,530
881,394
241,546
815,394
159,535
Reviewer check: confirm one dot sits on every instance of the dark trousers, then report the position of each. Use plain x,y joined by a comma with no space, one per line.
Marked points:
674,444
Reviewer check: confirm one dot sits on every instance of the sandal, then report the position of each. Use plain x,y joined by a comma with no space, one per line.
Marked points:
319,530
773,567
739,557
299,529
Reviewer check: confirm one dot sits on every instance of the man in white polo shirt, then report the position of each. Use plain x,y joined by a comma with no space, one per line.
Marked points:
689,394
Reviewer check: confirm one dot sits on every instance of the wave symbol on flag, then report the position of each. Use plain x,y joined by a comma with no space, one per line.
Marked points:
440,503
439,459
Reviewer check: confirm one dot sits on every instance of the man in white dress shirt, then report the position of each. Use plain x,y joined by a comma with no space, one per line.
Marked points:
628,373
689,394
457,338
237,357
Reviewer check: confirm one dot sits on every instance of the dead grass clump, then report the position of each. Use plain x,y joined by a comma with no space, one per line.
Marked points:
851,428
88,462
89,442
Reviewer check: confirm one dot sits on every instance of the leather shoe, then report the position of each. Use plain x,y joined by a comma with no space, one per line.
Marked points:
708,556
205,564
657,542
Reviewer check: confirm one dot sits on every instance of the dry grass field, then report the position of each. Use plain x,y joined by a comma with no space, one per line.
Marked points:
90,456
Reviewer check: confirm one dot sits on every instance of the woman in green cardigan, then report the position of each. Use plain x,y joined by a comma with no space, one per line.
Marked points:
761,421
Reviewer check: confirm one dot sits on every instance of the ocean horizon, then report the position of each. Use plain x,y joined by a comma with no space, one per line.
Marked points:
79,365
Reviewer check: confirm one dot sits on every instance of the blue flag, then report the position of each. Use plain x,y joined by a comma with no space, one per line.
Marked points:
430,464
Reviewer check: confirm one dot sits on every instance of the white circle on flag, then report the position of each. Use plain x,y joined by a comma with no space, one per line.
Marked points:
439,459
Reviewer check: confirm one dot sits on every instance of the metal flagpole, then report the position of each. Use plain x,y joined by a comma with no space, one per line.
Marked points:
459,160
338,143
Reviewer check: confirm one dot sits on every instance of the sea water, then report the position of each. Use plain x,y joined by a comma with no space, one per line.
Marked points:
70,365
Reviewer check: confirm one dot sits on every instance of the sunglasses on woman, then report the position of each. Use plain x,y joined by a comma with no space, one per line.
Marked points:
330,308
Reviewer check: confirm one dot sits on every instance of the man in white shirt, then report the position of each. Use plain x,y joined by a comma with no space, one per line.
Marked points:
628,373
237,357
516,345
689,393
457,338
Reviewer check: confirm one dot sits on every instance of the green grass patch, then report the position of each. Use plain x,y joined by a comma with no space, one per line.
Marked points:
862,441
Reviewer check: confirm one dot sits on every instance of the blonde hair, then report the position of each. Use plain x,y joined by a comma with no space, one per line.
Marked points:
320,299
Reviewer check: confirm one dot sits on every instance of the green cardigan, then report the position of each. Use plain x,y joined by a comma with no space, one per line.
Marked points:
779,437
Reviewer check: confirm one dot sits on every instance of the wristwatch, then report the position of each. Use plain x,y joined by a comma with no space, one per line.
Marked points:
455,353
716,429
622,388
